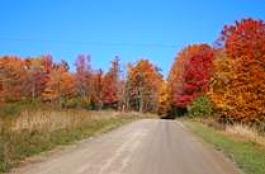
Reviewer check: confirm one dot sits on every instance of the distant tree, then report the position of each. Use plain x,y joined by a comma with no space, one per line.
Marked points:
143,86
111,85
13,75
97,90
37,72
164,100
60,86
84,79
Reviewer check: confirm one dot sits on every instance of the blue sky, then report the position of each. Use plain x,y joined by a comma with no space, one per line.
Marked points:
153,29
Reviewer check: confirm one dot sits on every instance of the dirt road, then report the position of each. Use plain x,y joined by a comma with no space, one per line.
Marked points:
143,147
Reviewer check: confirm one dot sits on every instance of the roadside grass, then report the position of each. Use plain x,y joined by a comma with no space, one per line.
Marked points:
32,133
248,155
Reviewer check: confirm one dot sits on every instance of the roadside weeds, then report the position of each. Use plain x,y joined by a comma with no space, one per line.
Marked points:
32,134
248,154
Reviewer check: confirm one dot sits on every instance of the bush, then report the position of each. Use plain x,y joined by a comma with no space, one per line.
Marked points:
76,103
14,109
201,107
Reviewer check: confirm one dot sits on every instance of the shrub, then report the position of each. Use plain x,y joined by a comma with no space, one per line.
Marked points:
14,109
201,107
76,103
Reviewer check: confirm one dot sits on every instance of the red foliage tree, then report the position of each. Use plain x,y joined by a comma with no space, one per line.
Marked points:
97,92
245,38
111,85
190,75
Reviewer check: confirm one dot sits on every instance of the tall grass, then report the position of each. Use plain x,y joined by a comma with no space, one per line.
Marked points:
246,132
32,132
253,132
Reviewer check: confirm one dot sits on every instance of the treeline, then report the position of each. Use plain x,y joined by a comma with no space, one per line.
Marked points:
43,81
226,80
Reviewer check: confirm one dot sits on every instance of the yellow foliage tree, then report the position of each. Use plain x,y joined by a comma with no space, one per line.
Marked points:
143,84
164,100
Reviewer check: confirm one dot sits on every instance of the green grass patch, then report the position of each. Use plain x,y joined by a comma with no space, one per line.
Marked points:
249,156
15,147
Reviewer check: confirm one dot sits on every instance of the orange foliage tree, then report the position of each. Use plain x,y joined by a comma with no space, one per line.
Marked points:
238,87
13,76
164,100
143,86
37,72
60,86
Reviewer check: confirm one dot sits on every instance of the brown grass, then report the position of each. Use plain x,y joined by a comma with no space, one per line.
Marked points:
245,132
237,130
32,132
50,120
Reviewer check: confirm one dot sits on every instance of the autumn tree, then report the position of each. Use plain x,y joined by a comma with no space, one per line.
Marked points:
84,80
245,38
238,87
197,74
13,75
60,86
2,75
122,92
37,72
164,100
143,85
111,85
190,75
1,88
97,89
